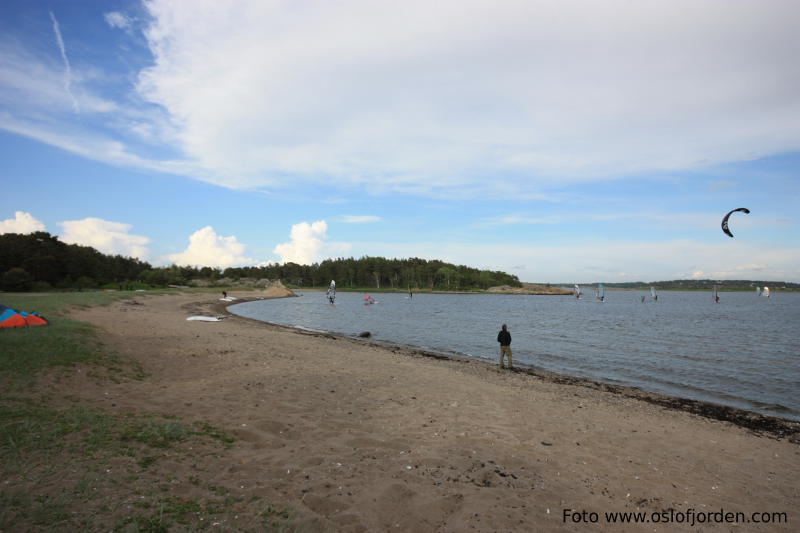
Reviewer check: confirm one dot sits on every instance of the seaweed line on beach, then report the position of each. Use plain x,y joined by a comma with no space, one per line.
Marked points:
759,424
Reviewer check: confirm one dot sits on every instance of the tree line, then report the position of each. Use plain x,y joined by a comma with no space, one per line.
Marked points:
39,261
381,273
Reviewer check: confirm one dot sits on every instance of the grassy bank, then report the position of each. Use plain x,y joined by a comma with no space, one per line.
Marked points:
64,343
70,466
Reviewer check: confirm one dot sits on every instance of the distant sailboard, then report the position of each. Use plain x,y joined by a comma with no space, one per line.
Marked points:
653,294
577,292
200,318
601,292
765,292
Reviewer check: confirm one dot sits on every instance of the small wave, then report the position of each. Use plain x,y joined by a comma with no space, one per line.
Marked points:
311,330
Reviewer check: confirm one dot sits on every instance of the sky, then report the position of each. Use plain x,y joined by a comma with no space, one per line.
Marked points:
559,141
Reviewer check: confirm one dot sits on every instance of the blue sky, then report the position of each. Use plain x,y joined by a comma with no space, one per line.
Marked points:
561,142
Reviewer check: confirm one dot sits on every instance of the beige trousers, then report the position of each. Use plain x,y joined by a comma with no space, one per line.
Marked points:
505,350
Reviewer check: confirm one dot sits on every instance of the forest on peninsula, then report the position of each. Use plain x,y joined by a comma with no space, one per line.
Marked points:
40,262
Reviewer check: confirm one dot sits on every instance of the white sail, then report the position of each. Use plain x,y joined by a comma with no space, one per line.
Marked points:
331,293
653,294
766,292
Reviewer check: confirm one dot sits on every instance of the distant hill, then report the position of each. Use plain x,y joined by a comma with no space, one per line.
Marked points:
699,285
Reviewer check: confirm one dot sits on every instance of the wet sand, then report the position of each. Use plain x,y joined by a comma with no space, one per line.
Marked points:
369,438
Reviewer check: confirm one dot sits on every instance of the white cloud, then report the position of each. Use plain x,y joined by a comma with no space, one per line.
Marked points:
308,244
115,19
419,96
35,104
450,99
206,248
95,147
105,236
359,219
21,223
32,87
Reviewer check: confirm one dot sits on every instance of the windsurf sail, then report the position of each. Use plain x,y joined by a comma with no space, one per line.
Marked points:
601,292
766,292
758,291
653,294
577,291
715,294
332,292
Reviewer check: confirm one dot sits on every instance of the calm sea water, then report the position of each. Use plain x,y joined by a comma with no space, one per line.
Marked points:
743,351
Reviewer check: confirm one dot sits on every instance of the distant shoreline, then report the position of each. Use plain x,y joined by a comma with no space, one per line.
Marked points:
426,291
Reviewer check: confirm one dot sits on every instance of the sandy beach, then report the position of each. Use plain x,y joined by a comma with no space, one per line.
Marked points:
359,437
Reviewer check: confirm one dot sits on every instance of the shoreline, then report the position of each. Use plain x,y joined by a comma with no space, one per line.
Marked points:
355,436
774,426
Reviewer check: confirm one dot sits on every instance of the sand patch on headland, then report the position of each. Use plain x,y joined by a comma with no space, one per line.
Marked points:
366,438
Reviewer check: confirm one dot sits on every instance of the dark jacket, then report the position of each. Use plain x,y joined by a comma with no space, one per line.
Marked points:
504,338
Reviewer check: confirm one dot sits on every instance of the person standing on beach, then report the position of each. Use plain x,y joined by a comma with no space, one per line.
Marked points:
504,338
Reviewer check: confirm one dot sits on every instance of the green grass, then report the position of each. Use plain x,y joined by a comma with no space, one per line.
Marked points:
31,431
40,444
58,303
56,461
64,343
184,513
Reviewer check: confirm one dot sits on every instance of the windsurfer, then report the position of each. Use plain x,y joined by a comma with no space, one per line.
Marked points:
332,292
